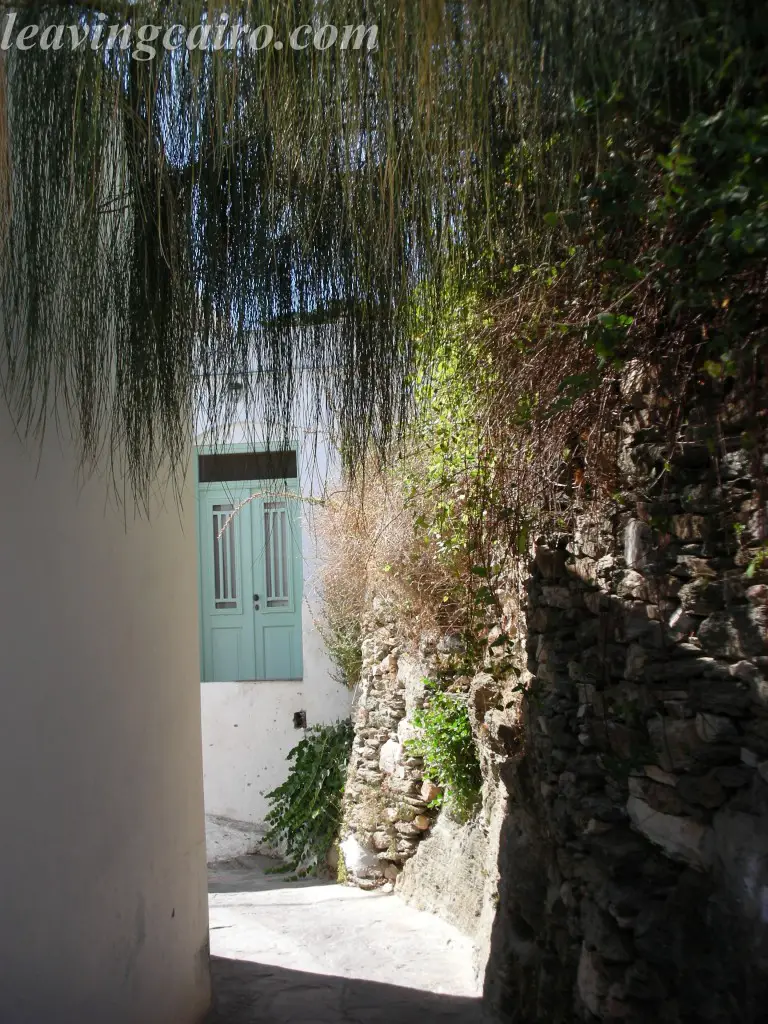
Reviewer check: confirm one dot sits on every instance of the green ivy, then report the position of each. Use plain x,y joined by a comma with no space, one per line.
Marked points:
693,223
451,484
305,811
448,749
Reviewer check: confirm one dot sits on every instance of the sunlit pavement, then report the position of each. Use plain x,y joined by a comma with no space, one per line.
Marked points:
318,953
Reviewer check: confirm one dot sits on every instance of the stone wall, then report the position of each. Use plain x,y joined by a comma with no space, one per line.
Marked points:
454,873
391,836
621,714
386,800
634,858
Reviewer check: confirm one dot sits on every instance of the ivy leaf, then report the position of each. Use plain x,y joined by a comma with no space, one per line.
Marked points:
614,321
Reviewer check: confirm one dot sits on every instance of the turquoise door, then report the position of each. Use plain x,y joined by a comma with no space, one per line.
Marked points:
250,580
277,579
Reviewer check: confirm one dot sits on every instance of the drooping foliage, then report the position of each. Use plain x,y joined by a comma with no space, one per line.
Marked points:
305,811
628,254
206,226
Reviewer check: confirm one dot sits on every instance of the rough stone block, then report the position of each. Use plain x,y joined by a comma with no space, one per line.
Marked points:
592,981
639,548
733,776
756,736
618,851
682,623
550,562
656,795
693,565
681,839
586,569
736,633
659,775
388,664
675,670
558,597
406,731
358,860
625,742
392,872
633,584
692,455
675,742
602,934
410,677
638,625
704,790
742,847
596,602
637,656
701,597
389,756
745,670
727,696
407,828
381,840
735,464
429,791
484,694
641,982
688,527
714,728
544,619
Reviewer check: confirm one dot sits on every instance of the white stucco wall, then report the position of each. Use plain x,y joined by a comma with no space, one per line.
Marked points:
248,727
103,912
247,733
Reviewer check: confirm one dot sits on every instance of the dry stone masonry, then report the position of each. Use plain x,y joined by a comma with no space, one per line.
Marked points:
386,804
391,836
620,864
634,857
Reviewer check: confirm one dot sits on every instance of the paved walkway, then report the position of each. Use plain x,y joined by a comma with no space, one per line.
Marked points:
313,952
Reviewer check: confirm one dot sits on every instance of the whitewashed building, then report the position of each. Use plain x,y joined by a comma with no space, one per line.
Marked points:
103,661
103,908
265,674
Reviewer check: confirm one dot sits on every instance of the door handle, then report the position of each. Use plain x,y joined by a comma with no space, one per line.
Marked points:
256,602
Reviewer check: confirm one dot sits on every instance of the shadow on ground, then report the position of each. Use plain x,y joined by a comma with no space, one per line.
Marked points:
250,993
314,952
256,873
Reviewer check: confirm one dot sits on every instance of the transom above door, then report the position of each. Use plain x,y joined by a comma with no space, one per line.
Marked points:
250,565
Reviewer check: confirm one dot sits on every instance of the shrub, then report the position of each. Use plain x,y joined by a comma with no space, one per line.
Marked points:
343,637
306,810
448,750
370,549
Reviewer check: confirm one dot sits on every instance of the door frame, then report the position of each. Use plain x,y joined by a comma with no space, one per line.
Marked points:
226,448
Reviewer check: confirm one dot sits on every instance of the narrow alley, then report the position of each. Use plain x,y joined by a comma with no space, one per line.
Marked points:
313,952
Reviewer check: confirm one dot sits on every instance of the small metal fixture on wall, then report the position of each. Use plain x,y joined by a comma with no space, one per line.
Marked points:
300,720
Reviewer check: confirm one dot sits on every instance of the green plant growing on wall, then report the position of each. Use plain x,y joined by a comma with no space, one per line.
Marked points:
343,637
760,559
448,749
306,810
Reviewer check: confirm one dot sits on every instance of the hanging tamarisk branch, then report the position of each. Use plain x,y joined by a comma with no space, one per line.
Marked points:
276,221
